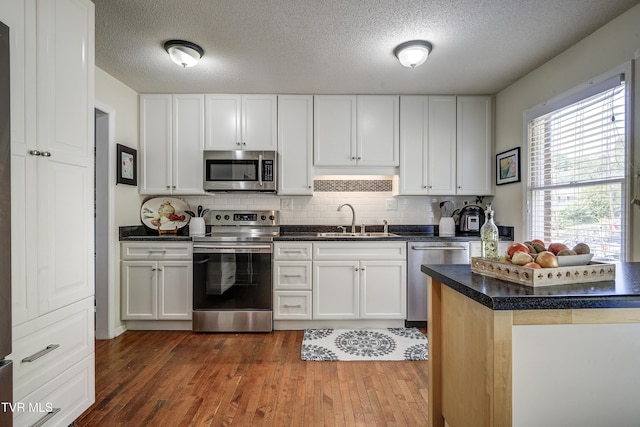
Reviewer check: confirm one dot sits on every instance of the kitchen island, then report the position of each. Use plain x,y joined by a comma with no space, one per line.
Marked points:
503,354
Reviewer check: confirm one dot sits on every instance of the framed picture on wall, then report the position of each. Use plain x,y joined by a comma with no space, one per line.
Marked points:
508,166
127,165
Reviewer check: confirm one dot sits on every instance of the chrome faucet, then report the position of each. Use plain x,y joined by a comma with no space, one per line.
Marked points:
353,216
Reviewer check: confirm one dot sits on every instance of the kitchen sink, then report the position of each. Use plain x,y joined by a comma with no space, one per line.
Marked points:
356,235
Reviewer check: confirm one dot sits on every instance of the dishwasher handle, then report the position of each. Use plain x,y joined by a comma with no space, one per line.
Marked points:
439,248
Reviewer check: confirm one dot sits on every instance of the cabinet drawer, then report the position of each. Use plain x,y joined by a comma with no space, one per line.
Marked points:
292,275
360,251
292,305
293,251
156,251
49,344
67,396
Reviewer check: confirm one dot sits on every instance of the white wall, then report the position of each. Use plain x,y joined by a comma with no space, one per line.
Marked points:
123,101
610,46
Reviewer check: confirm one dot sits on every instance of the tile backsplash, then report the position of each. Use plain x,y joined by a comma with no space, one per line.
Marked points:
371,207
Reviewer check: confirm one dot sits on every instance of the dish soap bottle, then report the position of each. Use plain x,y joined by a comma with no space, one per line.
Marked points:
489,236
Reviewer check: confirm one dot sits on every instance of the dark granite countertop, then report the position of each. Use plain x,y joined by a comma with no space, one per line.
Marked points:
404,232
140,233
293,233
623,292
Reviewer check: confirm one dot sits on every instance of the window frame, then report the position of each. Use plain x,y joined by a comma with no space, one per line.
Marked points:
567,98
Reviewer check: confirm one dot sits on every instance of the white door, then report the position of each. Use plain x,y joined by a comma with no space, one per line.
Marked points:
378,142
441,141
223,130
335,290
139,290
295,145
156,132
383,287
259,122
175,290
334,130
65,166
474,135
188,144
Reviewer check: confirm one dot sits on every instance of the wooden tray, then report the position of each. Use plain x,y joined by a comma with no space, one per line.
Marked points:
592,272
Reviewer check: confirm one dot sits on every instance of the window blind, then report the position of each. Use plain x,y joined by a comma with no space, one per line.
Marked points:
576,159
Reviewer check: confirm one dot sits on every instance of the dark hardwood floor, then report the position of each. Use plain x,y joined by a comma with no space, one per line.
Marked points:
166,378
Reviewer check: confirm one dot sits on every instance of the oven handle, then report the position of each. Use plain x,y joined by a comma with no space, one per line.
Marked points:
232,249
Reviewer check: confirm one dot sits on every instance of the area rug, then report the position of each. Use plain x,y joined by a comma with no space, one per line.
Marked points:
364,344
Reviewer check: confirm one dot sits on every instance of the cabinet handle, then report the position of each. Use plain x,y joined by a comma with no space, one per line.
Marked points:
293,306
46,418
293,275
291,251
353,158
41,353
157,251
359,158
45,154
357,269
238,143
361,268
244,143
35,152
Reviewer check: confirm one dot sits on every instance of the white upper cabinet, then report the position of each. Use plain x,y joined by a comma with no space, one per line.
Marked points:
334,133
445,145
172,141
428,145
377,130
356,130
474,155
295,144
241,122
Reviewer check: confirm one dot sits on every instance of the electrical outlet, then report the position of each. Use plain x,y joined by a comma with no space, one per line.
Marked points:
286,204
392,205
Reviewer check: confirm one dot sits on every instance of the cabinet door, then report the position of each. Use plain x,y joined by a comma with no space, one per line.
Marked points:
259,122
188,144
156,126
64,73
334,131
223,122
378,142
441,151
175,290
335,290
139,290
295,144
24,290
413,144
383,290
474,158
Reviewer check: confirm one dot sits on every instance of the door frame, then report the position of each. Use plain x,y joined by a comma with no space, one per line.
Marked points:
105,305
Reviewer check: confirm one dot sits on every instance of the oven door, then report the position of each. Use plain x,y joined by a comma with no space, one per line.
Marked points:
232,277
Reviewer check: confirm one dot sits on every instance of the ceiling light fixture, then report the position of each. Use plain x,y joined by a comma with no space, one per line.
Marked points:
413,53
183,53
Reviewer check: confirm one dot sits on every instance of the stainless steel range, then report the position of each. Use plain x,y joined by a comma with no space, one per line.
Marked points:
232,279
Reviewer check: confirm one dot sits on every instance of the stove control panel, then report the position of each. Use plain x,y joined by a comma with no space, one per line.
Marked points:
244,218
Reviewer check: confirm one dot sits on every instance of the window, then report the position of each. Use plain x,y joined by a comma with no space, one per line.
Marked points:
577,163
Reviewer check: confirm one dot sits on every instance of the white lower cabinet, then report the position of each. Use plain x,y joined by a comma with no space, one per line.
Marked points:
292,281
157,281
53,365
359,280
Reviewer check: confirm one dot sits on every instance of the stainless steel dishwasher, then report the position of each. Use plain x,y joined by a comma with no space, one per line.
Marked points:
432,252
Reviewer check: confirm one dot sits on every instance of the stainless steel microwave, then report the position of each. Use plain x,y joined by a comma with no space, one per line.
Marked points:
240,170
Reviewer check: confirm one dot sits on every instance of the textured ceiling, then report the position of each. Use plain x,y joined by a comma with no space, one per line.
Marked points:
339,46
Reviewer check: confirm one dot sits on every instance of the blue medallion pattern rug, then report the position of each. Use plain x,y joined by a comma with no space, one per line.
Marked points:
364,344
